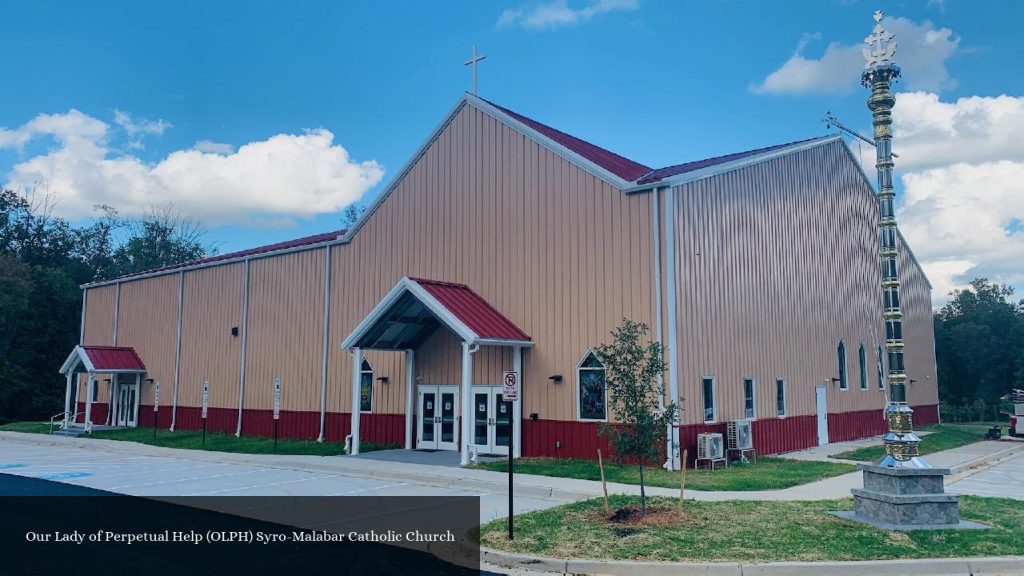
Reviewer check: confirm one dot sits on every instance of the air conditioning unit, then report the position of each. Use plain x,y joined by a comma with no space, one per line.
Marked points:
740,435
710,447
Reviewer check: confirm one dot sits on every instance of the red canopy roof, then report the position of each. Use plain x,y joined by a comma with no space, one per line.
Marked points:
114,358
472,310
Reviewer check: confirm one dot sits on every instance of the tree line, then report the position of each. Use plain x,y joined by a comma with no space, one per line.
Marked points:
43,261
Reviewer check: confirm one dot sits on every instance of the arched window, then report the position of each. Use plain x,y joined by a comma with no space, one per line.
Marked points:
881,370
592,395
366,387
841,352
862,360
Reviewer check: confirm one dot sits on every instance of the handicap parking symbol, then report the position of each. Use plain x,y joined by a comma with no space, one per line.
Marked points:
64,476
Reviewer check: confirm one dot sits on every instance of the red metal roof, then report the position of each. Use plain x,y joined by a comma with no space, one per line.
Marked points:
472,310
114,358
661,173
304,241
620,166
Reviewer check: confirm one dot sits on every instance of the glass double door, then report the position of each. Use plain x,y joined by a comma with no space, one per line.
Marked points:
126,397
492,421
437,418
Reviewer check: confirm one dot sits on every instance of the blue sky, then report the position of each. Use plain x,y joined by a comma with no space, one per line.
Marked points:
166,94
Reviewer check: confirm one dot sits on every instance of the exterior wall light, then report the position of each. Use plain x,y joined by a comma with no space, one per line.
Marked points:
383,379
556,378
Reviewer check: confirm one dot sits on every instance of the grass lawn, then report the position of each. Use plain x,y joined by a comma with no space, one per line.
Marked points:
215,441
942,437
751,531
767,474
33,427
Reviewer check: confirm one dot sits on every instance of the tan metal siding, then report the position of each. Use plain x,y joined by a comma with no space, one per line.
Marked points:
212,306
99,316
562,254
285,331
778,262
918,330
148,322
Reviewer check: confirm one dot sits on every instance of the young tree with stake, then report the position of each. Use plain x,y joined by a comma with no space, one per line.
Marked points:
633,376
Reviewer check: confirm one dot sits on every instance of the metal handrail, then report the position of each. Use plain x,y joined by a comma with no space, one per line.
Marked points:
61,415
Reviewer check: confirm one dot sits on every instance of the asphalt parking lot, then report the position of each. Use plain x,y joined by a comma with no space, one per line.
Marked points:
181,476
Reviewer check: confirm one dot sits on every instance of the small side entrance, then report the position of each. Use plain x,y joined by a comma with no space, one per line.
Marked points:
492,421
127,396
821,403
437,423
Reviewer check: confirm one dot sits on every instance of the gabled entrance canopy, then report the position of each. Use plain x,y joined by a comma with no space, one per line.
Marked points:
107,360
415,307
407,316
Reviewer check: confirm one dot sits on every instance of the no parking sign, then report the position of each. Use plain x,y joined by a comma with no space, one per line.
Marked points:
510,386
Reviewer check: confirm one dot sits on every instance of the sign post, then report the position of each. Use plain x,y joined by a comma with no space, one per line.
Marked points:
206,401
510,393
156,407
277,407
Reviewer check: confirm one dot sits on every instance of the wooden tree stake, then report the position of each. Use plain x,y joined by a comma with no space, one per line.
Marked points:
604,485
682,483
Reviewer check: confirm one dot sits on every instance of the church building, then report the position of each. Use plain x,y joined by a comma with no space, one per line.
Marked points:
505,244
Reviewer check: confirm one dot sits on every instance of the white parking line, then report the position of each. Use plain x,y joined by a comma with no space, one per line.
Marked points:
368,489
236,489
178,480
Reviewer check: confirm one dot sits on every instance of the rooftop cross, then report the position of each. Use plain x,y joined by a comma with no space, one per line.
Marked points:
472,62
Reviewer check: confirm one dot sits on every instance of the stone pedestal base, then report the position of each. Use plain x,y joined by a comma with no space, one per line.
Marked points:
906,499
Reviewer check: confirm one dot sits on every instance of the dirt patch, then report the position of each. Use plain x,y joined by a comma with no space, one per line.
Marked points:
633,516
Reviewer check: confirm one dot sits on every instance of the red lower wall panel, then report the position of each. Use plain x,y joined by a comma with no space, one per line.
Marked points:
377,428
99,413
926,414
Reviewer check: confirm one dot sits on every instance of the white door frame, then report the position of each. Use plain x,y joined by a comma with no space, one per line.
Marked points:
821,408
437,390
124,405
491,413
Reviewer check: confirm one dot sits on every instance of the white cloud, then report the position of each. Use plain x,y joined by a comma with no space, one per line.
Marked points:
136,129
211,147
557,13
963,186
922,53
267,181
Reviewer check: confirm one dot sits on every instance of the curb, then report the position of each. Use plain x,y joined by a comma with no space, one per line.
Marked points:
965,469
930,566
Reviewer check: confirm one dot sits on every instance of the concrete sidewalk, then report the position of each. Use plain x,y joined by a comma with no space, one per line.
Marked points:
961,460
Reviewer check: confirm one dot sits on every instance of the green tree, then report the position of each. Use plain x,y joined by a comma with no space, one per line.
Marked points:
979,344
634,373
43,261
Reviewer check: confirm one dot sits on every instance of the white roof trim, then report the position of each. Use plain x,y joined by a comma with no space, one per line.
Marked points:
701,174
77,355
408,285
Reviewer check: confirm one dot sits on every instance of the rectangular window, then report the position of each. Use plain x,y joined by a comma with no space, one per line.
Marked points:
841,359
709,399
881,370
862,361
780,397
366,392
95,390
748,398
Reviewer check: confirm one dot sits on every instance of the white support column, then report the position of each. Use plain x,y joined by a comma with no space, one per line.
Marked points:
357,361
111,400
670,289
245,326
177,351
138,398
326,341
517,406
410,393
88,401
67,398
467,400
112,406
